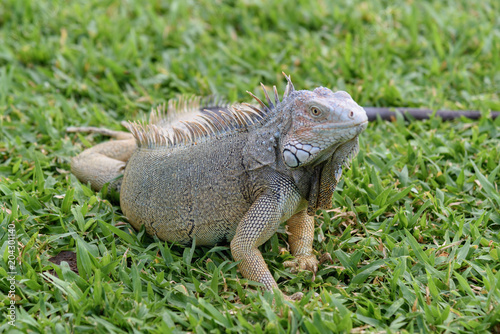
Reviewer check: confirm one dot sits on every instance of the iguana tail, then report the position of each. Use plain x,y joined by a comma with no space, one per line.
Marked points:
103,163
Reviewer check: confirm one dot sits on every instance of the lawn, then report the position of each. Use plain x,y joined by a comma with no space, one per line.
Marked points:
414,232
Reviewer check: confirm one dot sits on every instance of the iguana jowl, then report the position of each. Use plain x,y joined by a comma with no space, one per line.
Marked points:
233,174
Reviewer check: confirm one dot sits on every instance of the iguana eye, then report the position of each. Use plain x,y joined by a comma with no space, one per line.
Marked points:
315,111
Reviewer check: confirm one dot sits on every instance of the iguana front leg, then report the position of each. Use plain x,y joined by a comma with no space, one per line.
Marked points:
257,226
300,239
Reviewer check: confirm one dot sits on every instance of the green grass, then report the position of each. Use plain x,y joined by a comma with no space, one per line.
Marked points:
415,236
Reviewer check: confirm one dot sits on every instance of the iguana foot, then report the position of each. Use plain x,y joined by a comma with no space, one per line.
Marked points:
295,297
325,257
307,262
303,262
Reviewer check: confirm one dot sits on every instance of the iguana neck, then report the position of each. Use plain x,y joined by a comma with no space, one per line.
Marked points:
326,176
263,146
322,175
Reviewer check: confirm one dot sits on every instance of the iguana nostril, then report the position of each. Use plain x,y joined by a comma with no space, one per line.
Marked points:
351,114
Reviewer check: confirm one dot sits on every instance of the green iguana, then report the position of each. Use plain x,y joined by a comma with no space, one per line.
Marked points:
234,173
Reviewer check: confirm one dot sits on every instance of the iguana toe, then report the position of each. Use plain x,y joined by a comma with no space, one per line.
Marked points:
307,262
296,296
303,262
324,258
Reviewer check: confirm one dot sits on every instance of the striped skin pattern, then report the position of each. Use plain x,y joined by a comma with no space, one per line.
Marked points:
232,173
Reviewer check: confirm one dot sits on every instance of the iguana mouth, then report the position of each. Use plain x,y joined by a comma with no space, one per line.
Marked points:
327,175
344,125
335,150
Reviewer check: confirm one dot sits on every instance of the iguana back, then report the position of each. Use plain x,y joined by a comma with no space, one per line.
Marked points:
179,192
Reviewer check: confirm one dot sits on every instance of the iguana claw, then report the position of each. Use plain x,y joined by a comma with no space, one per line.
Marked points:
325,257
307,262
303,262
296,296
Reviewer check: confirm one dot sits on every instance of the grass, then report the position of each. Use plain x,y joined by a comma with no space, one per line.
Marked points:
415,232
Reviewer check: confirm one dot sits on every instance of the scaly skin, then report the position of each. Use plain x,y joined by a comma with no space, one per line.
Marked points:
234,179
301,237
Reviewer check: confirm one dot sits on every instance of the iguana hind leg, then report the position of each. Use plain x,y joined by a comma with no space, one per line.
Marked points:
104,162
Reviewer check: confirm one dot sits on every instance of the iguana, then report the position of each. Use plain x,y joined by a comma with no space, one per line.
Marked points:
232,173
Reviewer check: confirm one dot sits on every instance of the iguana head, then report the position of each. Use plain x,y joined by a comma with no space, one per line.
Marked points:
322,133
315,126
321,122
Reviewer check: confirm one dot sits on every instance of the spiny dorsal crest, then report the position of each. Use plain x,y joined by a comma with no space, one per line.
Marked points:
184,107
188,120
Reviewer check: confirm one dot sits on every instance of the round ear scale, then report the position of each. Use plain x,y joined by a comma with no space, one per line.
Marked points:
290,158
296,154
